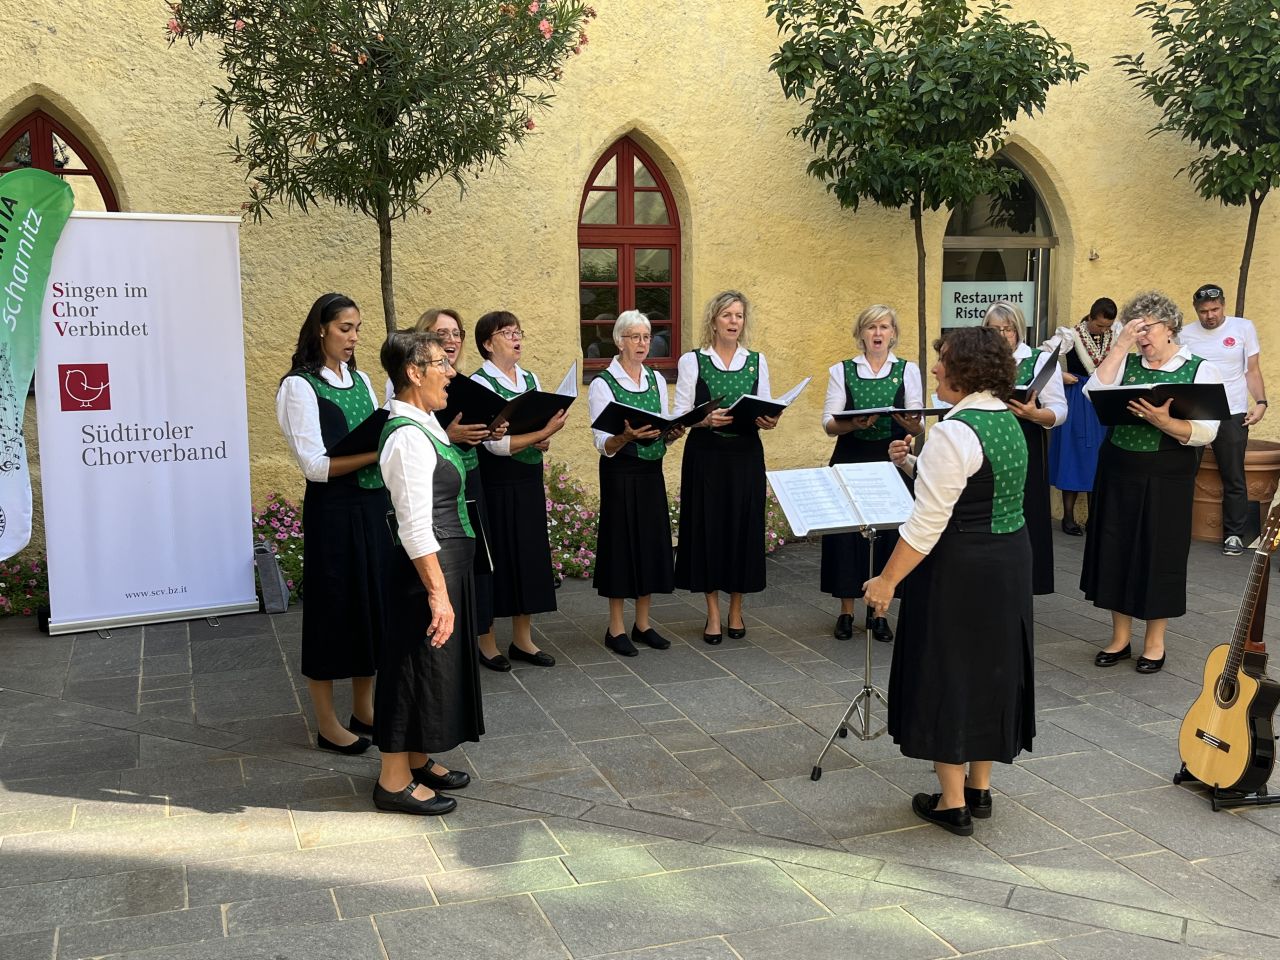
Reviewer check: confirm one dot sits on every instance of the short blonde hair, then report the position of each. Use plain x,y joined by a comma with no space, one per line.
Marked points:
716,306
627,321
1003,310
874,314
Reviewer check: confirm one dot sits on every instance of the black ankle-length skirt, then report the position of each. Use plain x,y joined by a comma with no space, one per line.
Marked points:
427,699
345,549
633,541
478,513
722,505
1035,507
516,500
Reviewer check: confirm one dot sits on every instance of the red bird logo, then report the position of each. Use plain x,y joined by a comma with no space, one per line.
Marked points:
84,386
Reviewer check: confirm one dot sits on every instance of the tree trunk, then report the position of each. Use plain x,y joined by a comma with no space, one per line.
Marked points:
384,258
1255,207
922,326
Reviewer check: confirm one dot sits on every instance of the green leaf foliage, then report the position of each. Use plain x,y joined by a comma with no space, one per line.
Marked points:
1217,84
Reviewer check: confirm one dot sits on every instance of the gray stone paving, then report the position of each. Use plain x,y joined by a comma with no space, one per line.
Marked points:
158,799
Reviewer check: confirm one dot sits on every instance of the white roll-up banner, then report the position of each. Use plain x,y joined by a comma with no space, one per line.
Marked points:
140,402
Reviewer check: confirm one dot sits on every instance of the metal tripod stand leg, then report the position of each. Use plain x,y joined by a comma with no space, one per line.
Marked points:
862,702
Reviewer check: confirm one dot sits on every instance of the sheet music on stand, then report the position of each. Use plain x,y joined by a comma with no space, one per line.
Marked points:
841,499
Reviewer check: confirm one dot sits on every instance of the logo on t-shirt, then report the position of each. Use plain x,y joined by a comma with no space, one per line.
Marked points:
1228,341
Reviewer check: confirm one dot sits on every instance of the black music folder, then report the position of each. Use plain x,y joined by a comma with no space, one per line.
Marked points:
1041,379
475,402
748,407
910,411
363,438
527,413
613,419
1191,401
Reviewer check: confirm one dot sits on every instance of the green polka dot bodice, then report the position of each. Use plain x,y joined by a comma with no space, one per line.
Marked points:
730,384
356,406
528,454
866,393
470,457
441,485
646,399
1142,437
1006,451
1026,370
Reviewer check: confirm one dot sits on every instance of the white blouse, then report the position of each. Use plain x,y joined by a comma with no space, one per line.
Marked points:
408,463
913,395
1203,432
687,376
600,396
502,448
951,455
1054,395
298,413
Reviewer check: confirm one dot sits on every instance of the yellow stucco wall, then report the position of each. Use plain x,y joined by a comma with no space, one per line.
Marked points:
690,82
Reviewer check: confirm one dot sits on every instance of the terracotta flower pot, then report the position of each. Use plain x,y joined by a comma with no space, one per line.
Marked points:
1261,474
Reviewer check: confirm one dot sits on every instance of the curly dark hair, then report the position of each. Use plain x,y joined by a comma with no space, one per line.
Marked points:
977,358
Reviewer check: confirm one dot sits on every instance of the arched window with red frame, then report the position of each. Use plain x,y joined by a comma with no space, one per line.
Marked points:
628,255
39,141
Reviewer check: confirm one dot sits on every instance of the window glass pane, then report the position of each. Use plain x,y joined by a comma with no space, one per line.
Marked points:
608,175
598,265
650,207
1021,213
598,303
601,207
654,302
85,189
653,265
643,177
64,158
660,346
597,341
18,155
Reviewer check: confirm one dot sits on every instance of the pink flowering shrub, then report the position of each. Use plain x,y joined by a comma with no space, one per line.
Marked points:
572,518
24,585
776,530
279,523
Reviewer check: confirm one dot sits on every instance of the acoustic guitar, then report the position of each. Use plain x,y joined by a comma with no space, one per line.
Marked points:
1226,740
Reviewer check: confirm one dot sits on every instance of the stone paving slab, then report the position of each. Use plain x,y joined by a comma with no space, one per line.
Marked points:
159,797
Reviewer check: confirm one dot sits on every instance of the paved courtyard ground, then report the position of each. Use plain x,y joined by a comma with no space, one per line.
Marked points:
158,799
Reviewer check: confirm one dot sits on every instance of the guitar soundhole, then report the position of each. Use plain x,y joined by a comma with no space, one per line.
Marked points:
1226,692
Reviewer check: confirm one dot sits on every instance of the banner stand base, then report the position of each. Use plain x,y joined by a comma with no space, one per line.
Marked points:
57,628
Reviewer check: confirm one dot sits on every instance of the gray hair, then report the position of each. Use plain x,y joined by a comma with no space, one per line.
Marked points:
716,306
627,321
874,314
405,347
1007,312
1153,305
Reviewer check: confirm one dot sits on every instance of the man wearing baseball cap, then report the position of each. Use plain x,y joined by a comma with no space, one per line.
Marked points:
1230,344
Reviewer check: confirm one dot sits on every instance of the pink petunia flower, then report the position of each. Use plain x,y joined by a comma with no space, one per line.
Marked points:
546,29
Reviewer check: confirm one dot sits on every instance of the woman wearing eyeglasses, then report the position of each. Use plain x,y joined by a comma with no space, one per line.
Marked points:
722,483
633,551
511,471
1036,417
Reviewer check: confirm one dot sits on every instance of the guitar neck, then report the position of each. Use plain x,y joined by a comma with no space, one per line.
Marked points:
1240,636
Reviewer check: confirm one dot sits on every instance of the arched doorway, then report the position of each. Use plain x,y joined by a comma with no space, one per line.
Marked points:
40,141
1000,248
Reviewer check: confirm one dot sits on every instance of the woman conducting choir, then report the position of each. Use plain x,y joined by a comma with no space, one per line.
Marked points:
1037,416
345,540
516,498
1135,551
874,378
428,696
961,683
1073,450
633,555
722,483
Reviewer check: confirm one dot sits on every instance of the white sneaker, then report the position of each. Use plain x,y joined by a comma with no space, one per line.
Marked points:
1233,546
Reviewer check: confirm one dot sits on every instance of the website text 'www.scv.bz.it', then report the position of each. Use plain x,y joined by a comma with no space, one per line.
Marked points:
159,592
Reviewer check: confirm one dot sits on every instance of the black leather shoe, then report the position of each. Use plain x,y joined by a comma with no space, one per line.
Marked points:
1104,659
620,644
356,725
351,750
453,780
978,802
737,633
650,638
958,819
715,639
1147,665
881,630
539,659
499,663
1071,528
403,801
844,627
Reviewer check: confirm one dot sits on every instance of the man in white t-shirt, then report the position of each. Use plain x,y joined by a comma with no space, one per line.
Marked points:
1231,344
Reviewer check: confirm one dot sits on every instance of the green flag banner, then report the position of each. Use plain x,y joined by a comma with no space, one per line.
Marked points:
34,207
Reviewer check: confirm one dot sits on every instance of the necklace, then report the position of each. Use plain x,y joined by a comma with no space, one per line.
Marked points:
1091,349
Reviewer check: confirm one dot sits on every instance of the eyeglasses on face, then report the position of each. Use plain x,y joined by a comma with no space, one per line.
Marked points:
511,333
638,337
448,335
442,363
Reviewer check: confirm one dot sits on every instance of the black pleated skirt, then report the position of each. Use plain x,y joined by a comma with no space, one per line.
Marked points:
722,505
633,541
1139,534
962,683
516,500
345,549
427,699
478,512
846,559
1035,508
